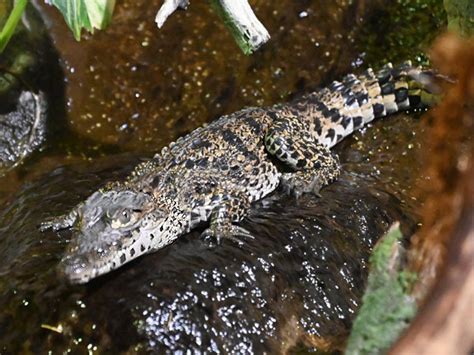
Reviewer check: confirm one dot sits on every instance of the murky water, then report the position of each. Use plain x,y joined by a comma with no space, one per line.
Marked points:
299,283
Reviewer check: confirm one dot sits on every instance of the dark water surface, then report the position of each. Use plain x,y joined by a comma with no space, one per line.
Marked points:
132,89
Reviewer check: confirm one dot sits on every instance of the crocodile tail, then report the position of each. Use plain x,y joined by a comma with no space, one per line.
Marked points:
401,88
359,99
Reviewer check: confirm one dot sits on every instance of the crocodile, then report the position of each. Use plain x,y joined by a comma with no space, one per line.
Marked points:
212,175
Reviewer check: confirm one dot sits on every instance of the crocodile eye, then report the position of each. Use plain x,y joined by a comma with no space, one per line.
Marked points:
124,218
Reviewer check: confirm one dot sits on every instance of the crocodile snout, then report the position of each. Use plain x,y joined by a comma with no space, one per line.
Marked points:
75,269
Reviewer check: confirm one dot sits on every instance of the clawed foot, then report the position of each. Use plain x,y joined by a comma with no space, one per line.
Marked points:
298,184
58,223
229,231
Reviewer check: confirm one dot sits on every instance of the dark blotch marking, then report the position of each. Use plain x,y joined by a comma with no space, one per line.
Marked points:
401,95
383,76
388,89
202,163
362,98
378,109
351,100
415,100
132,252
331,133
345,122
156,181
231,137
273,115
199,143
257,127
397,72
335,115
358,122
122,258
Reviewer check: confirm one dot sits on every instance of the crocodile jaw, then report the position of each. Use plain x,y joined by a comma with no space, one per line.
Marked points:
81,266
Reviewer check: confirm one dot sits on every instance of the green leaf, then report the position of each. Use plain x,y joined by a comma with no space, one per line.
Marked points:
11,23
88,14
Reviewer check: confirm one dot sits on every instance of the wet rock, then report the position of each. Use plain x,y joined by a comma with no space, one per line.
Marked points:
296,286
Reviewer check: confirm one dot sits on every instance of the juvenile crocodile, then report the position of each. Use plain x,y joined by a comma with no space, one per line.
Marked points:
217,171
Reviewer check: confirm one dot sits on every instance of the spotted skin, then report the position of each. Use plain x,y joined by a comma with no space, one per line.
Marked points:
216,172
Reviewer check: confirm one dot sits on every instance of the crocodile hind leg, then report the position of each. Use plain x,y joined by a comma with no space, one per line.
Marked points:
232,208
314,165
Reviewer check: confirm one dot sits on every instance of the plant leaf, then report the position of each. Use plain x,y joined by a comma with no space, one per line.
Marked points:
88,14
11,23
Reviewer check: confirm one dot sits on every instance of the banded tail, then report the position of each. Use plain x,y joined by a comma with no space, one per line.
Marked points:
348,105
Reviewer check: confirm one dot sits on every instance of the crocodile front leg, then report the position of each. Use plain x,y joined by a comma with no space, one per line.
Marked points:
232,208
314,165
61,222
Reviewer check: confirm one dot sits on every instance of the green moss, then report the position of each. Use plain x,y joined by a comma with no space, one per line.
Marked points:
403,29
387,308
460,16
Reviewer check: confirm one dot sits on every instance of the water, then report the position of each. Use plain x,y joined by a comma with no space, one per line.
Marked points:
298,284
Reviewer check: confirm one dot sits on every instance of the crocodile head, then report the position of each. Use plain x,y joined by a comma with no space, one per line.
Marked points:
114,227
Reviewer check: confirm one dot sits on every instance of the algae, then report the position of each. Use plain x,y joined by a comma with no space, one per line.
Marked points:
402,29
386,306
460,16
